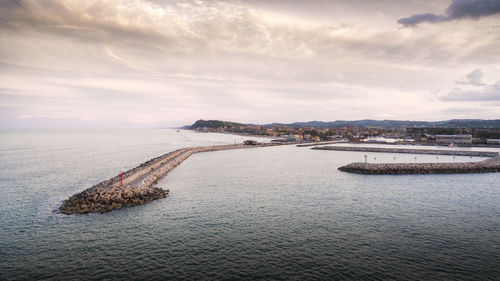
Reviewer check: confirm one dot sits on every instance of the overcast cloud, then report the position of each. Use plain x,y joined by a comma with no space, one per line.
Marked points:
167,63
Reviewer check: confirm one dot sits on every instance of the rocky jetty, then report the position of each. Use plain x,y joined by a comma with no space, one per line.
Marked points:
139,181
412,151
486,166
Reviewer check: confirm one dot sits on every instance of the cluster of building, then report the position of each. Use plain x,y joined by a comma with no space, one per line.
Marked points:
356,134
457,139
297,134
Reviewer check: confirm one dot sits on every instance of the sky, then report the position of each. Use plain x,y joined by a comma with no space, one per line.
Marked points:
163,63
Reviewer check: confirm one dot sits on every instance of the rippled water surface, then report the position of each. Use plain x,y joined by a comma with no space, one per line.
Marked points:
264,213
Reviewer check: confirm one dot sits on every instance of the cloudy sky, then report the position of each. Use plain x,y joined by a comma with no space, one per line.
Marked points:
161,63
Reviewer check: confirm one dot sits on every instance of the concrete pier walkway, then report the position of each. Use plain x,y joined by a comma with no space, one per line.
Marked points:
150,174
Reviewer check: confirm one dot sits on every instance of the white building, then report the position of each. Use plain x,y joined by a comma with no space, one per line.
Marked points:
456,139
493,141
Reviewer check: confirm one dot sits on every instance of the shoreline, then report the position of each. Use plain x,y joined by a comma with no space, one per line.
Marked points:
311,143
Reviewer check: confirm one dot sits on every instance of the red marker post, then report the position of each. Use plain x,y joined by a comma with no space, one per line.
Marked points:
121,179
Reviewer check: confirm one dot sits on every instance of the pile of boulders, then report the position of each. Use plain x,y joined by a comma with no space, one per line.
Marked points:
101,199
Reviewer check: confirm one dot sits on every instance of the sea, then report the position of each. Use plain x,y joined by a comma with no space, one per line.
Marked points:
271,213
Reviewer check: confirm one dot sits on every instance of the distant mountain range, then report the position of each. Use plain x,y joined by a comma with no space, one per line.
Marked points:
454,123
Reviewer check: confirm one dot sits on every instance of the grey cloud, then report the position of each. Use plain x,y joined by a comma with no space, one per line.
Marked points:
488,93
10,4
474,78
472,8
416,19
458,9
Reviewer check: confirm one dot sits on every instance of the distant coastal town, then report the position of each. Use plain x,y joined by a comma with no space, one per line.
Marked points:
452,132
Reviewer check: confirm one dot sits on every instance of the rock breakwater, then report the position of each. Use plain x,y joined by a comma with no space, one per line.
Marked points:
486,166
138,183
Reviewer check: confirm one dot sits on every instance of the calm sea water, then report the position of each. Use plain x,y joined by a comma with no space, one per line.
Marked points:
266,213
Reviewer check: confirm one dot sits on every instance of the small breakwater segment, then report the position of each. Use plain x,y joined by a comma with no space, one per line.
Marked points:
485,166
136,186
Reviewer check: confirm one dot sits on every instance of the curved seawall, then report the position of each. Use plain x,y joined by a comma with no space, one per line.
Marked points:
137,183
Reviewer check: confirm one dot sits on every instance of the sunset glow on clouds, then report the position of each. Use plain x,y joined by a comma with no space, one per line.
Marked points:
117,63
